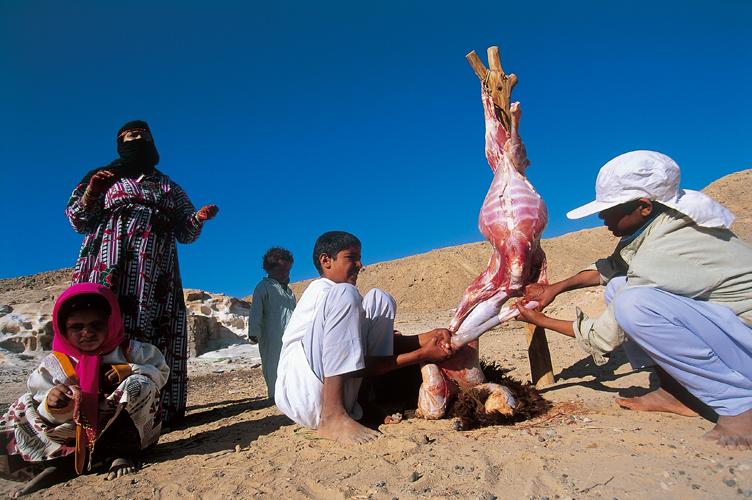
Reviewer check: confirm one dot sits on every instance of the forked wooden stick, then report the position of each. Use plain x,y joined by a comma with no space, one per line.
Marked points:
496,82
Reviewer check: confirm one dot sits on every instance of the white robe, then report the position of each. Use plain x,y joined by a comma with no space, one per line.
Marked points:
337,312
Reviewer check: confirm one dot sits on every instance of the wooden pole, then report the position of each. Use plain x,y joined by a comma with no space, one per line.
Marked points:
541,369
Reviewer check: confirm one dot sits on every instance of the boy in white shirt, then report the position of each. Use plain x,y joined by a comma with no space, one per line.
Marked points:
335,338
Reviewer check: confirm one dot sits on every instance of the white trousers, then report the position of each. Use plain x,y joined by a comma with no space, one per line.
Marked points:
704,346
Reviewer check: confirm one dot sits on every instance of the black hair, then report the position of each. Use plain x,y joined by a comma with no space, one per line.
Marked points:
332,243
81,302
273,256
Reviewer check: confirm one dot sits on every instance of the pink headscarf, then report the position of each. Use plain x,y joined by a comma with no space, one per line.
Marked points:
87,367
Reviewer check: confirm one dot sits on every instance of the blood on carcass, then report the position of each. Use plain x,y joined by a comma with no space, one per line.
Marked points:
512,219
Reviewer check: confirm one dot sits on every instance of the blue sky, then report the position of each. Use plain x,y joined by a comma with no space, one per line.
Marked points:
297,118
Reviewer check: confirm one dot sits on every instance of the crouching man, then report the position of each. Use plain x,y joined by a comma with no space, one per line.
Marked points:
679,289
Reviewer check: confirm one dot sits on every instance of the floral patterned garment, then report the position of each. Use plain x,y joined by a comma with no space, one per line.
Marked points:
31,435
130,246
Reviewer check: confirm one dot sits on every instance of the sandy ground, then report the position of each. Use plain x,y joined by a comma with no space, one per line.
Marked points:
235,444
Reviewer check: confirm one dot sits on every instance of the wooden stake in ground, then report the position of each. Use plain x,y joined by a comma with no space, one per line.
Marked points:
500,86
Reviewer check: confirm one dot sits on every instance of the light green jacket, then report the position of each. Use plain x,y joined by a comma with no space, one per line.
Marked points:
676,255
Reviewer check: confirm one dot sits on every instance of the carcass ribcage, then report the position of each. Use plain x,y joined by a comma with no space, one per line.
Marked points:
512,219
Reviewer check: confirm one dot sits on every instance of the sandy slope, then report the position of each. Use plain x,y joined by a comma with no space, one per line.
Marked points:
234,444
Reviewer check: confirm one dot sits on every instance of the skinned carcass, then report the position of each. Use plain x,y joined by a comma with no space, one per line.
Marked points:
512,219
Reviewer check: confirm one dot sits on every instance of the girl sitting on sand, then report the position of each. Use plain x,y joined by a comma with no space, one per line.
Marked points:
95,388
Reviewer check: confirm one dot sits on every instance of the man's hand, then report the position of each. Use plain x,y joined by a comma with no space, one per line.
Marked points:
101,182
208,212
532,316
542,294
59,396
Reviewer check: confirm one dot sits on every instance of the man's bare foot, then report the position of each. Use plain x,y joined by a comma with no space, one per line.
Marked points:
343,429
120,467
658,400
732,432
49,476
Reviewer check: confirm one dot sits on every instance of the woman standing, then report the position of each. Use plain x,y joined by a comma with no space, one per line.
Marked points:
133,215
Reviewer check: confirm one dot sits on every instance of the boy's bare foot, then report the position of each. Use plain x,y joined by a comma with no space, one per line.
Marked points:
343,429
658,400
120,467
49,476
732,432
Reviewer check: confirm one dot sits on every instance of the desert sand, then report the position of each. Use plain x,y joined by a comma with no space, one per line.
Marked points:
235,444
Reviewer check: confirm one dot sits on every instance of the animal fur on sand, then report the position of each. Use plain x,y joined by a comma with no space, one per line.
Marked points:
469,407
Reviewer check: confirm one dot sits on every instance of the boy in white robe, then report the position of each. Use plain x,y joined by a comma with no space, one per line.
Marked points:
335,338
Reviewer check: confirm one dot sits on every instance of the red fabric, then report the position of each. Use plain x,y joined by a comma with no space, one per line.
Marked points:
87,367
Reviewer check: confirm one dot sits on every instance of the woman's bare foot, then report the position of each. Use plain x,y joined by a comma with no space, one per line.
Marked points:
658,400
49,476
732,432
120,467
343,429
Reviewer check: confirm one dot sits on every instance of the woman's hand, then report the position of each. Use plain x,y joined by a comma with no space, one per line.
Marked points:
101,182
59,396
208,212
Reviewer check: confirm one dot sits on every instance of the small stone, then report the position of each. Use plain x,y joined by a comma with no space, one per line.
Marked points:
665,486
730,482
380,484
550,433
748,494
695,486
541,439
414,477
681,472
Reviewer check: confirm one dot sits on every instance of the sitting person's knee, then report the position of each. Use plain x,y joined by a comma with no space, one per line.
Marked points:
379,300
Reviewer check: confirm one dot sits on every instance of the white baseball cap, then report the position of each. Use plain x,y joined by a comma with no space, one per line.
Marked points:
654,176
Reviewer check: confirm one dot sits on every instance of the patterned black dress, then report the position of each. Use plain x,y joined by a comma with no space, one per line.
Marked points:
131,246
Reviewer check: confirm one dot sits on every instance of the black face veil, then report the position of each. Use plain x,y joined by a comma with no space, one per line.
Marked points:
136,157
